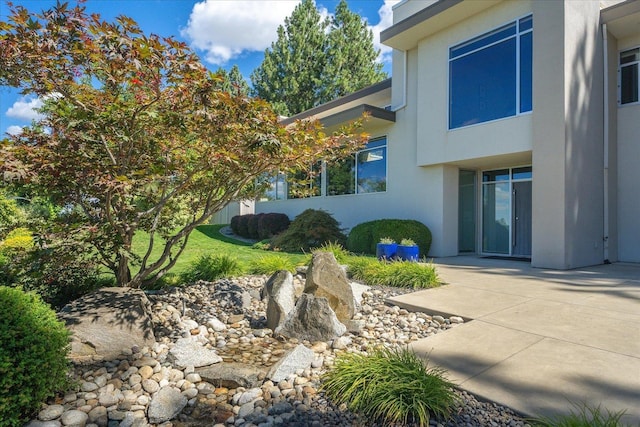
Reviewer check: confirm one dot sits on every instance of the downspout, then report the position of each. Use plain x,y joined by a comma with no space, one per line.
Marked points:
605,168
404,83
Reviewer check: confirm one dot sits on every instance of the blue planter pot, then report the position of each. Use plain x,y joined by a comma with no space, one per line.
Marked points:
386,250
408,253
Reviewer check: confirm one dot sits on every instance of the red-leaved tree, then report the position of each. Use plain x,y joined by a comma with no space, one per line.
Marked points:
136,136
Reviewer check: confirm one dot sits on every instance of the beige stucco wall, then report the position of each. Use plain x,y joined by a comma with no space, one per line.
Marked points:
567,136
436,143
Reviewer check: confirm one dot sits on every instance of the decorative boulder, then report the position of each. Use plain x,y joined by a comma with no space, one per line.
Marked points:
165,405
107,322
233,375
325,278
188,352
280,298
311,319
299,357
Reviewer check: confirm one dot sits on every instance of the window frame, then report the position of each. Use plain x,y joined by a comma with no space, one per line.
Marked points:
459,51
630,64
356,190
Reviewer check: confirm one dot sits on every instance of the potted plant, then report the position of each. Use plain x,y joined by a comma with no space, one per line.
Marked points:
386,249
408,250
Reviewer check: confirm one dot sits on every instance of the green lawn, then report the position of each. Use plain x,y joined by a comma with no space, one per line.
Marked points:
207,239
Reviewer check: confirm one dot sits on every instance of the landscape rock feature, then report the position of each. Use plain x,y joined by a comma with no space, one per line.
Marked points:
297,358
188,352
281,298
325,278
107,322
311,319
166,404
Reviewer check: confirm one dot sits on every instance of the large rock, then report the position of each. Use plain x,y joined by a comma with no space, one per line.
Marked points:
281,298
311,319
233,375
188,352
299,357
166,404
325,278
107,322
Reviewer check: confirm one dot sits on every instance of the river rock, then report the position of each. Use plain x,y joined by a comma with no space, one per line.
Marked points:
165,405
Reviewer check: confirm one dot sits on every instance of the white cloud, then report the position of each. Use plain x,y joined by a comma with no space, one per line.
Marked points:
225,29
14,130
386,20
25,109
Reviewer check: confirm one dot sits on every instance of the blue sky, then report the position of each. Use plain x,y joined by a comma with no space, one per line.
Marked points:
222,32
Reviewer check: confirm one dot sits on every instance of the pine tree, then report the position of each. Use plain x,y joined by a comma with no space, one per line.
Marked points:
351,56
233,81
290,75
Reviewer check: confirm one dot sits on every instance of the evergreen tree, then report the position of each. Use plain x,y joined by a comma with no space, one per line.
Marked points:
308,66
290,75
351,57
233,81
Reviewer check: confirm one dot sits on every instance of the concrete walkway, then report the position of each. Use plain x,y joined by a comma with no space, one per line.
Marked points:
536,340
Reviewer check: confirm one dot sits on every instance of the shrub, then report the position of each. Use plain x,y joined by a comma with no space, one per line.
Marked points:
311,229
263,245
390,386
18,239
252,225
33,349
269,264
584,417
364,237
401,274
235,220
212,267
243,225
271,224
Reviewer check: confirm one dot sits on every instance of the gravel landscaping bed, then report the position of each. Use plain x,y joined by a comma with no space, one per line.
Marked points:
145,386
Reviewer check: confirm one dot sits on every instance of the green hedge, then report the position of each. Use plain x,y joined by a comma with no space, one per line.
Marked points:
33,350
364,237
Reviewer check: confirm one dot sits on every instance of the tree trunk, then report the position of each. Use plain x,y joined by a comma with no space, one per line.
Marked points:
123,275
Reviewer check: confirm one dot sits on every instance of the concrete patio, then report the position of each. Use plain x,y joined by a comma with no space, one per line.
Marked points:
537,340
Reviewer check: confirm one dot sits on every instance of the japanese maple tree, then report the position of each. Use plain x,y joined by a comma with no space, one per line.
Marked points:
137,135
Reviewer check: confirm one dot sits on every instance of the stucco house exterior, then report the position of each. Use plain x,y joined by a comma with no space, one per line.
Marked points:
510,128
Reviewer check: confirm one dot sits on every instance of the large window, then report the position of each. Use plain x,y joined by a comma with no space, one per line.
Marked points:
629,60
366,172
490,76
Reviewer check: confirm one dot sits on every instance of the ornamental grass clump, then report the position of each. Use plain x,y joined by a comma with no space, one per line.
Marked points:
390,386
400,274
269,264
33,350
212,267
585,416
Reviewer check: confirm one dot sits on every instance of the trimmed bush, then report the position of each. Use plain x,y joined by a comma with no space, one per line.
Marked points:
390,386
269,264
311,229
364,237
33,350
271,224
584,417
235,220
400,274
243,225
252,225
212,267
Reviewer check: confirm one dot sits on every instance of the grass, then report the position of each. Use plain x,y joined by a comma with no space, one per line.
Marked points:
207,240
401,274
390,386
585,416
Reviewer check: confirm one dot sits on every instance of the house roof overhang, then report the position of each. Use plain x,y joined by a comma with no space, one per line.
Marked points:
352,107
406,34
622,19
